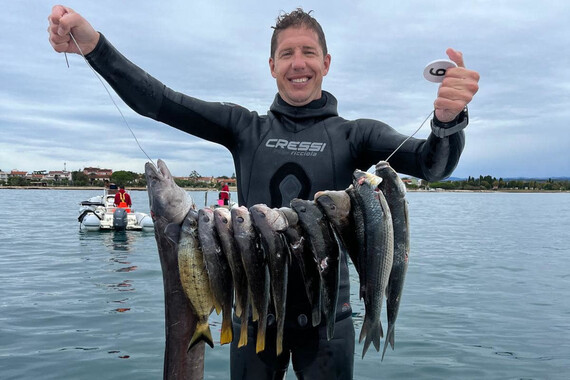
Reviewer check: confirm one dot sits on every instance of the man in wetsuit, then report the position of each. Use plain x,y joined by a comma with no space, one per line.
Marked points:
299,147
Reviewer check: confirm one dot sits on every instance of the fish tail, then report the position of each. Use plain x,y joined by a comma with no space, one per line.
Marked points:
330,327
227,330
243,335
371,333
316,316
243,330
238,310
202,333
260,343
389,339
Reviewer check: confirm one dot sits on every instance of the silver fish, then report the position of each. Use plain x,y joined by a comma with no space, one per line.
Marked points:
327,253
256,270
379,240
224,228
307,265
395,192
336,205
270,224
219,271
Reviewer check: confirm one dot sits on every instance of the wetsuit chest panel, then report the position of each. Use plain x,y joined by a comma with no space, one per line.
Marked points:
293,165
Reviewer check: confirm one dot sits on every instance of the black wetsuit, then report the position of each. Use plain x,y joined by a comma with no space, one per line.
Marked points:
292,152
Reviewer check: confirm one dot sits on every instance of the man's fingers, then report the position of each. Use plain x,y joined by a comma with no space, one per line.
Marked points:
456,56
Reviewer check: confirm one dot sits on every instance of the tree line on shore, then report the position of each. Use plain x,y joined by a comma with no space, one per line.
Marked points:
131,179
120,177
492,183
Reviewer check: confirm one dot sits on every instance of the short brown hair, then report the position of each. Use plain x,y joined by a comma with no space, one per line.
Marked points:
297,19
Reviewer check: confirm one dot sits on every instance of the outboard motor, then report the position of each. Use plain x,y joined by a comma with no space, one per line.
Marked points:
120,218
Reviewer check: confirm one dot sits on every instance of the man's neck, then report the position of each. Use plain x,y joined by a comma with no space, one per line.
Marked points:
315,104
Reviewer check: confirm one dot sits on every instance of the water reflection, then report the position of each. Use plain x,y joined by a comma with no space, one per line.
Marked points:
113,251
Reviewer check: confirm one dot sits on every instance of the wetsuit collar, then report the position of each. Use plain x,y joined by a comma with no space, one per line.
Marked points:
324,107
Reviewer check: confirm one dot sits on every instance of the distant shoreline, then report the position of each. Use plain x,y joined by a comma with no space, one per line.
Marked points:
234,189
100,188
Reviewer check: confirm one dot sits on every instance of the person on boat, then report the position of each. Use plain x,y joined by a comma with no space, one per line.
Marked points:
122,198
299,147
225,194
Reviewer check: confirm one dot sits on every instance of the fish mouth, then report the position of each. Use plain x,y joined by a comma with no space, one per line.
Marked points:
382,165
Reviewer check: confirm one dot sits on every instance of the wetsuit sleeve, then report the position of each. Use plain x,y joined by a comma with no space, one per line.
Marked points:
431,159
149,97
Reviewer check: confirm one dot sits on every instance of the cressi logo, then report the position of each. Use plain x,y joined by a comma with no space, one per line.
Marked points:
297,148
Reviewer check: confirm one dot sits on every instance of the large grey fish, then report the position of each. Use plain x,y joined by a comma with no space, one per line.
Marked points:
169,205
270,224
306,262
256,270
168,202
224,228
379,240
336,205
219,271
194,278
395,192
327,253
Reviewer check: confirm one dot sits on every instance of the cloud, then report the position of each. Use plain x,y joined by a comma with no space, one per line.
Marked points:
51,114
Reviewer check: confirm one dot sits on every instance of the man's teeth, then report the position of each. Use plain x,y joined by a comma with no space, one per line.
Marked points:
299,80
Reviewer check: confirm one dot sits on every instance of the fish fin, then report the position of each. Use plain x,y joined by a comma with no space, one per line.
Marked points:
202,333
370,333
172,232
389,339
330,327
316,316
238,309
260,342
243,330
227,329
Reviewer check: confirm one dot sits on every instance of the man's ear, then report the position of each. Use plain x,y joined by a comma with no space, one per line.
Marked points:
272,67
327,64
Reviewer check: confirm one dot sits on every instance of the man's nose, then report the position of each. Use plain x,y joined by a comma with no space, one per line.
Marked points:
298,61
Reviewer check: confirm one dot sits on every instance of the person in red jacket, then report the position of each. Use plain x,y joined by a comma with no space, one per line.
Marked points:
225,194
122,199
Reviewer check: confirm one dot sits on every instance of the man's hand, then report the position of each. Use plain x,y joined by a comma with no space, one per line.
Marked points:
457,89
64,20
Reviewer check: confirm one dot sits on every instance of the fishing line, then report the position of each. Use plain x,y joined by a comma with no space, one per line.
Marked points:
108,93
410,136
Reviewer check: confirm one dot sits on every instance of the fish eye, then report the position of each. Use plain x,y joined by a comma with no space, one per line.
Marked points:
240,219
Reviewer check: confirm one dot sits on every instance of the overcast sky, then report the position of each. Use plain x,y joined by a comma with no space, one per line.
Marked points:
51,115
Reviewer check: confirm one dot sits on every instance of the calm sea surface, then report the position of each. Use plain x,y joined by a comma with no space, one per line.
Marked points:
487,293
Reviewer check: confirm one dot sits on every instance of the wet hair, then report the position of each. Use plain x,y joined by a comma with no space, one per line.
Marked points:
297,19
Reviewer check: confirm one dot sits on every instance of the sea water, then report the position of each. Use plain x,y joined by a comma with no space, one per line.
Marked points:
487,293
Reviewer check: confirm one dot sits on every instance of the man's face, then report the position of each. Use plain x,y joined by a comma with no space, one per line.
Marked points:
299,66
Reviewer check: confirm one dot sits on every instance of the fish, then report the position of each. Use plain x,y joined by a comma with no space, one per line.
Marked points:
169,205
168,201
221,283
256,270
269,223
379,241
305,261
357,218
394,191
327,254
224,228
194,278
336,205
